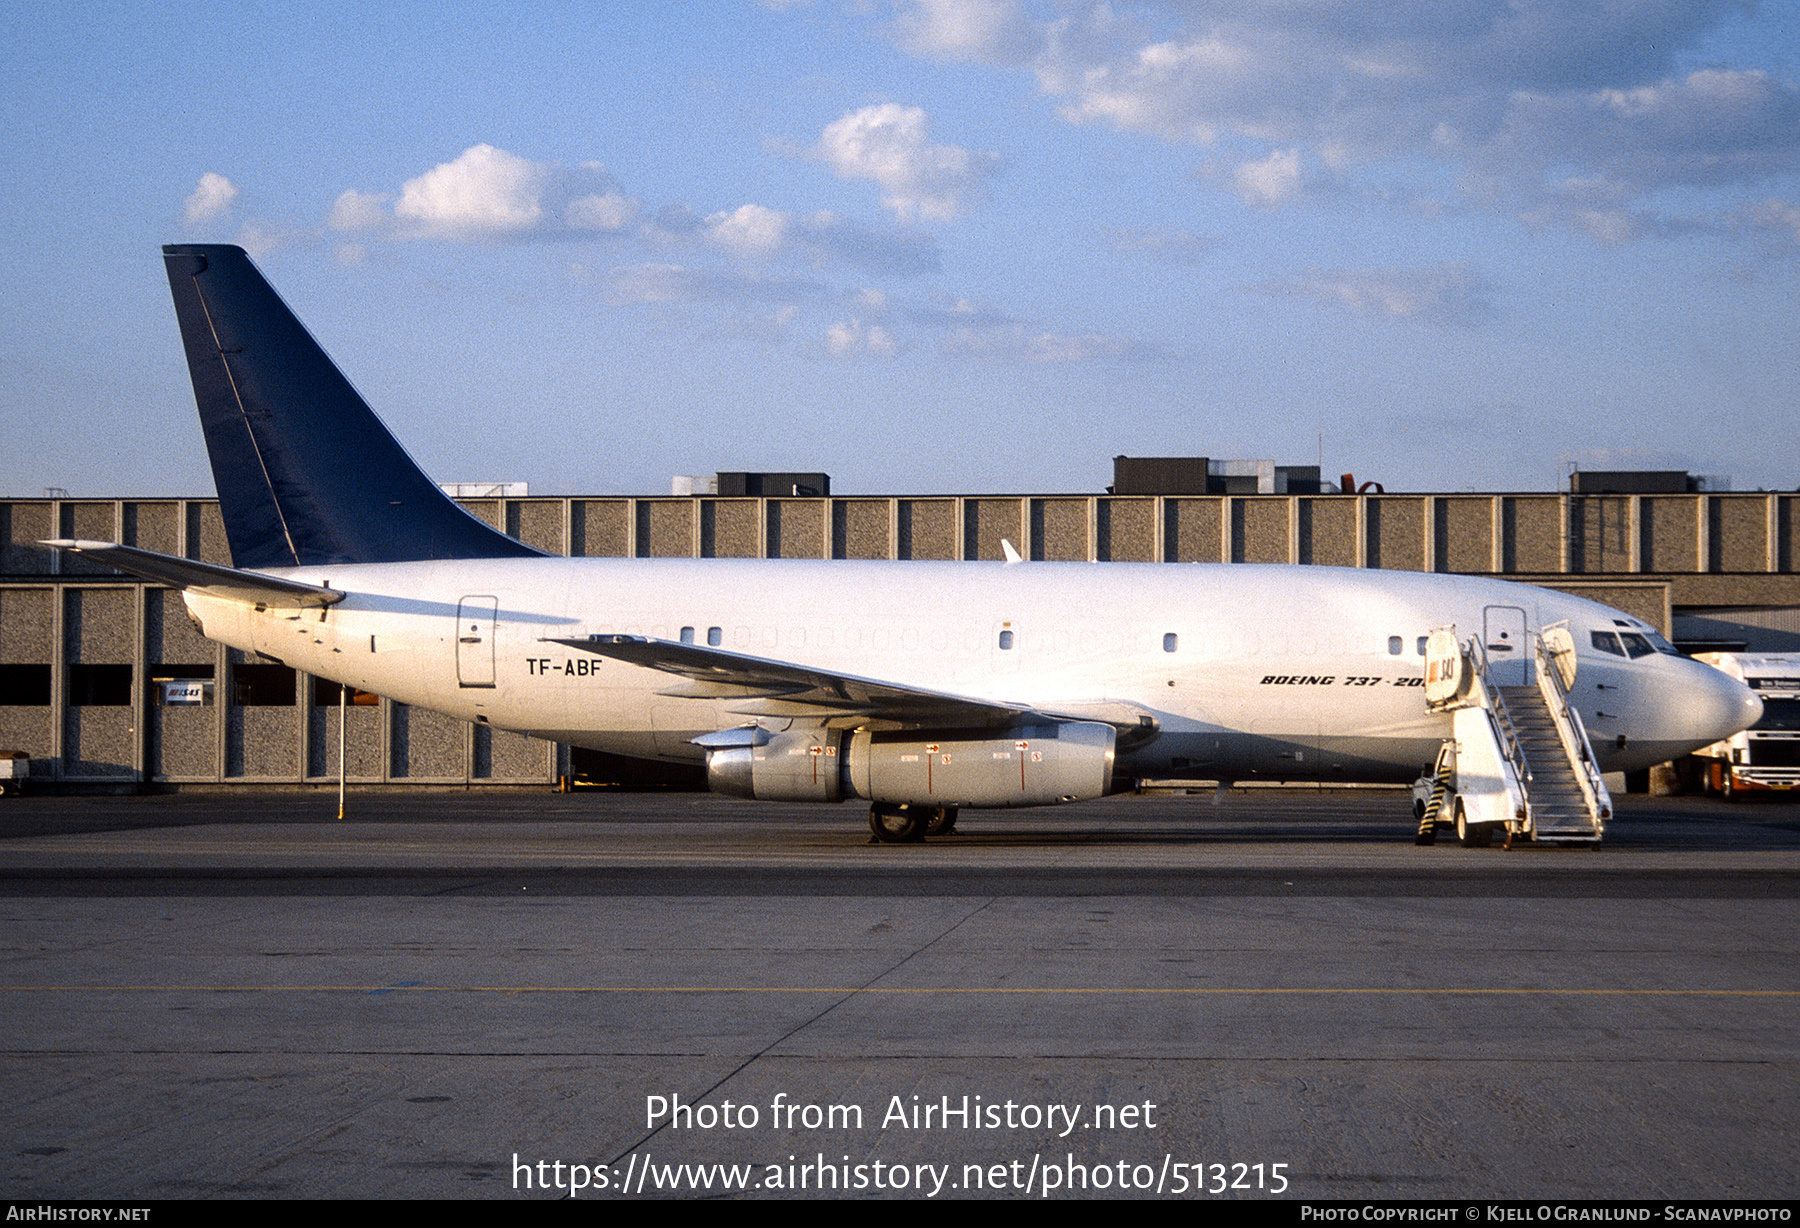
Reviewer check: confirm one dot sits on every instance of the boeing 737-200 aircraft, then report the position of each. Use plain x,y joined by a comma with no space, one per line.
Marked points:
916,687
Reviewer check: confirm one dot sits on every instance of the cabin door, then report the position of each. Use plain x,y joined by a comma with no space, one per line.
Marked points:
475,618
1509,652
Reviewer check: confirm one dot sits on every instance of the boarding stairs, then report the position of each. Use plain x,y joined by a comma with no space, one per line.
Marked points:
1519,756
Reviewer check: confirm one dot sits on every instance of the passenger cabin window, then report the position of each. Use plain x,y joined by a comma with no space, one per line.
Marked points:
1606,641
1006,638
687,635
1171,641
1396,645
1422,640
715,636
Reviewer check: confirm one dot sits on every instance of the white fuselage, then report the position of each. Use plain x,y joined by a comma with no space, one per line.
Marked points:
1270,671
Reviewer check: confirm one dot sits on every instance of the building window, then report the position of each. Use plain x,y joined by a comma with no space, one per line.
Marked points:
99,686
262,686
24,686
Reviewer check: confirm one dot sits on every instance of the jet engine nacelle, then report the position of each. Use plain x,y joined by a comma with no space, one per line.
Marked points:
1031,765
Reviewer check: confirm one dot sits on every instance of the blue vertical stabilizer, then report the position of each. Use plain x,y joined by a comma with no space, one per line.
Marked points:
306,472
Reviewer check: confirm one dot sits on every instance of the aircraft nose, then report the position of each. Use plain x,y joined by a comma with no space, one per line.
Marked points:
1718,705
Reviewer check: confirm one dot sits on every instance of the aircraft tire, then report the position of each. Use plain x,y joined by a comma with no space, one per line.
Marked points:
897,824
1726,789
941,821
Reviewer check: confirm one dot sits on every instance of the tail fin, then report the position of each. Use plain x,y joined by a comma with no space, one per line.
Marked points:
306,472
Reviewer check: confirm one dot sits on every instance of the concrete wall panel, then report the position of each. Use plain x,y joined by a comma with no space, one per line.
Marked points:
1328,534
22,526
536,522
600,528
986,522
1531,534
1125,531
1600,534
665,529
1059,530
1669,533
1738,527
928,529
1465,535
152,525
796,528
861,528
1191,532
427,745
730,529
1396,529
1259,530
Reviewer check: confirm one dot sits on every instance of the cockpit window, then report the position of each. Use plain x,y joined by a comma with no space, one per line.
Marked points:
1606,641
1645,632
1636,645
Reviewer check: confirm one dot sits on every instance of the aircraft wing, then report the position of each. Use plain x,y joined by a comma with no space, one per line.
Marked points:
776,688
249,587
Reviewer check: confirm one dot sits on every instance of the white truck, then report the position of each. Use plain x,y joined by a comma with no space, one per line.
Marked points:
1765,756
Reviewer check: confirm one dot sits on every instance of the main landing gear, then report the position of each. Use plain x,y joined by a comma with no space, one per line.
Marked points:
901,823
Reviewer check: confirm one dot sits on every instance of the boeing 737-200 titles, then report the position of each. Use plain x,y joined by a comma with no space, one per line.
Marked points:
917,687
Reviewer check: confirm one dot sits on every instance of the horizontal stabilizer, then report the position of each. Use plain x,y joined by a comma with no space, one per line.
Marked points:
249,587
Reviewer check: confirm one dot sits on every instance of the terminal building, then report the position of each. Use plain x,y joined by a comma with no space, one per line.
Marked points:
105,684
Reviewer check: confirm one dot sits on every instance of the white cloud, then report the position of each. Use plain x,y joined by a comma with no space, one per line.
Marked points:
1447,294
1709,128
611,210
847,339
483,192
355,210
1270,182
211,199
891,145
964,29
1511,95
490,193
749,230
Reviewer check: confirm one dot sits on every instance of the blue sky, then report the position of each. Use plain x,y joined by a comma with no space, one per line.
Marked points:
956,245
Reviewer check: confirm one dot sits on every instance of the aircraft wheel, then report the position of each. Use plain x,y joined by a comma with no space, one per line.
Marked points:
896,824
1470,835
1726,789
940,821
